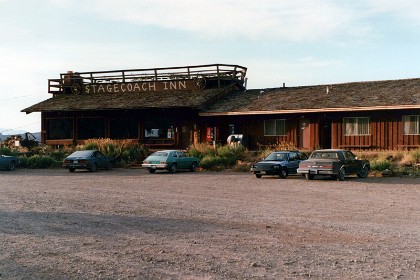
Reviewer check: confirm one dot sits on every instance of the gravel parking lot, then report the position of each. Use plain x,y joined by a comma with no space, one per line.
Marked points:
129,224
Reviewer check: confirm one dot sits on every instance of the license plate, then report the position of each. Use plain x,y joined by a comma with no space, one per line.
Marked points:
75,161
263,172
153,167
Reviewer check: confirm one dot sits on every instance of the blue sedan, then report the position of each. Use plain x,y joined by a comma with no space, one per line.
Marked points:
9,162
88,159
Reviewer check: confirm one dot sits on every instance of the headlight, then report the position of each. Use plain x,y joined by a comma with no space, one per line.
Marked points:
276,166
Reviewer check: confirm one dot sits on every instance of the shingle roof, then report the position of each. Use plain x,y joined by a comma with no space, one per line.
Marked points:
375,95
114,101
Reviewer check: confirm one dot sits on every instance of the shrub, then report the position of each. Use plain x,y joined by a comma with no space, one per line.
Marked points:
7,152
91,146
201,150
213,163
37,161
415,155
122,151
217,158
380,165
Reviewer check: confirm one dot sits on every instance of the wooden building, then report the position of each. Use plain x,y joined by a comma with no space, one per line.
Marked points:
175,107
363,115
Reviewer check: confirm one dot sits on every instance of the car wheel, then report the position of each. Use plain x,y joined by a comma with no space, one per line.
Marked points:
193,166
152,170
258,176
93,168
341,174
309,176
364,172
173,168
283,173
108,166
11,166
72,169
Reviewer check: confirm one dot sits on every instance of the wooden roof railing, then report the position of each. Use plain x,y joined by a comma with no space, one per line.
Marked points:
209,71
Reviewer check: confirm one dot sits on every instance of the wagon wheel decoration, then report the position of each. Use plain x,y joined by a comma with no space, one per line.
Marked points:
76,88
200,82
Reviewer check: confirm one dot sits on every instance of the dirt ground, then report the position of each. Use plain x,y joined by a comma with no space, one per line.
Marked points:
129,224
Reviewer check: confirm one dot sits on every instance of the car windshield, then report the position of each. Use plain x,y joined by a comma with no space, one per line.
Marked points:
160,154
277,156
81,154
327,155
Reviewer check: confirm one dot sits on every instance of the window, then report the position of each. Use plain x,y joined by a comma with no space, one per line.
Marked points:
124,128
274,127
349,155
356,126
60,128
411,125
293,156
89,128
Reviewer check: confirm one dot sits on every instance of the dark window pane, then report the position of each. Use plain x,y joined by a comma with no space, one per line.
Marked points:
89,128
60,128
124,128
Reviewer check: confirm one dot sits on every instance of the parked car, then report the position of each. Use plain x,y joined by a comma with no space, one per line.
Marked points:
88,159
170,160
281,163
9,162
335,163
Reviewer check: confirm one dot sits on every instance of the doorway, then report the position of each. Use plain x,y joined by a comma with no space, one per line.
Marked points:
304,134
325,133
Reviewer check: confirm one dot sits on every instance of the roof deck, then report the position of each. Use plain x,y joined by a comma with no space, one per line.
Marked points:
218,74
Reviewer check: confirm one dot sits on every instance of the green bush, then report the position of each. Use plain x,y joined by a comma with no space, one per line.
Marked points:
213,162
415,155
58,155
36,162
218,158
380,165
122,151
91,146
201,150
7,152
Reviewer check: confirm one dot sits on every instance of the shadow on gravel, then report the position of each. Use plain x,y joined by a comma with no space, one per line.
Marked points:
71,224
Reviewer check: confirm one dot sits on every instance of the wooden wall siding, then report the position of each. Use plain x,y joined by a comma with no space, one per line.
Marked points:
386,132
253,128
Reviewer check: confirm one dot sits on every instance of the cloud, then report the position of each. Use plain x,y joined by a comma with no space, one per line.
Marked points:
292,20
403,10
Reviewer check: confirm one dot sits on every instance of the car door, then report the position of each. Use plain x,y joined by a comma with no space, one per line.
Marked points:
183,161
293,162
101,160
352,165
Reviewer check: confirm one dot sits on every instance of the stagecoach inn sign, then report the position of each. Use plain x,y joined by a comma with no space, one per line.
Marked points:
135,87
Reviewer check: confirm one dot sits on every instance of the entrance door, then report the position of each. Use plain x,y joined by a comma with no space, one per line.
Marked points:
304,134
325,133
185,134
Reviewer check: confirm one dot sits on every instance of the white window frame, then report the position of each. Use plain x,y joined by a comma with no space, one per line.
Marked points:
278,131
357,129
411,127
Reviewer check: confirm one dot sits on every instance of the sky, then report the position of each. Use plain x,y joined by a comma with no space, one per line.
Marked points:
296,42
